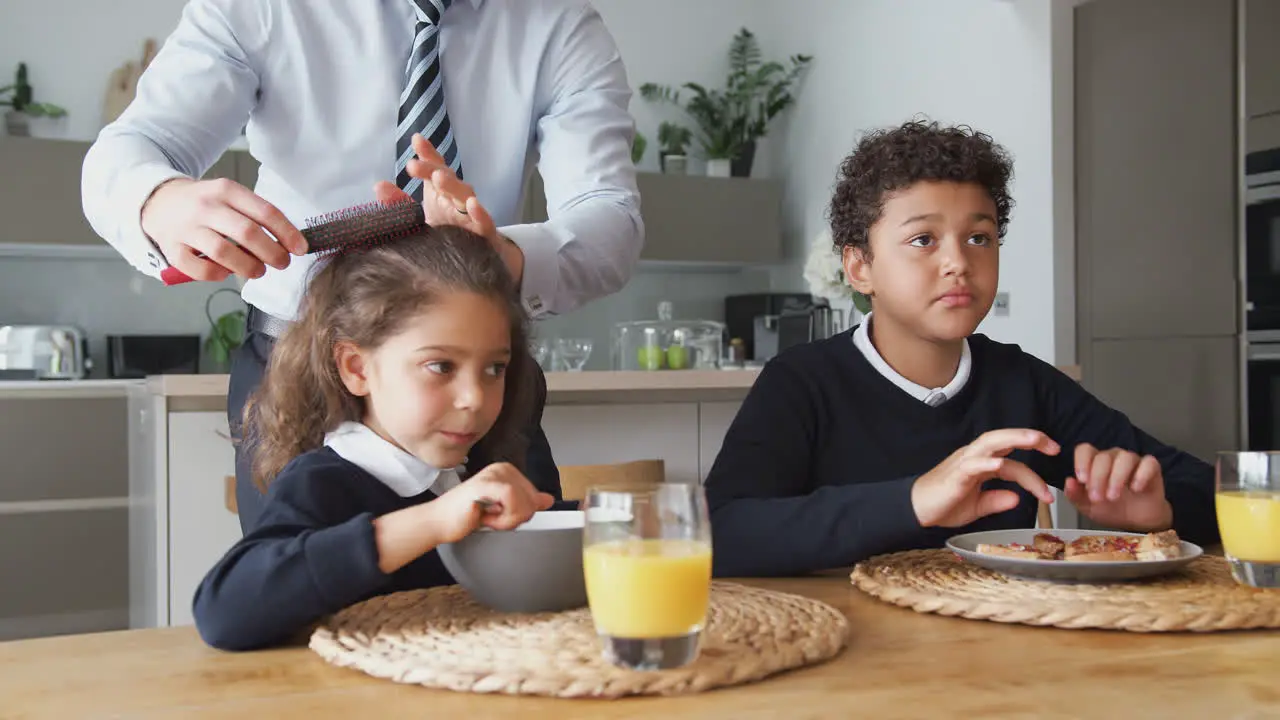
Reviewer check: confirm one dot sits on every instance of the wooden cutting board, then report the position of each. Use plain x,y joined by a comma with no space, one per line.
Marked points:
123,83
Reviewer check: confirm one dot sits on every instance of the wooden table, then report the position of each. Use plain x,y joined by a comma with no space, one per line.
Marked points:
898,664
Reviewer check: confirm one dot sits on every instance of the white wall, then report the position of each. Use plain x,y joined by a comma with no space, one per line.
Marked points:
991,64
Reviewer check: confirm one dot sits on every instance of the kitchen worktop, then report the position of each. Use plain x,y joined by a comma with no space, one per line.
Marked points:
64,389
562,387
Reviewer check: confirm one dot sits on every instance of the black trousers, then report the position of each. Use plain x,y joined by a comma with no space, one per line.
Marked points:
249,362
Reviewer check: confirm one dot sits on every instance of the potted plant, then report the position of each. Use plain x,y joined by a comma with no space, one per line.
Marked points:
731,120
824,274
226,333
674,139
638,146
19,97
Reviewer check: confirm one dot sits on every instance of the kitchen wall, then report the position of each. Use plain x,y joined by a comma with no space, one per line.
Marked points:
999,65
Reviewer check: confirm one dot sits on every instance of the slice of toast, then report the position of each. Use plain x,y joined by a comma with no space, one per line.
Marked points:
1049,546
1098,548
1013,550
1159,546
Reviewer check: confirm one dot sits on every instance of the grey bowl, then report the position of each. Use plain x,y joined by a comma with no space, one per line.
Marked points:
535,568
966,546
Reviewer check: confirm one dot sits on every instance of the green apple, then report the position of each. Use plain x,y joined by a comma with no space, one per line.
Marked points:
677,357
650,357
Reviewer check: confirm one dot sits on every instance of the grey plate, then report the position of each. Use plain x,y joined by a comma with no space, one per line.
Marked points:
1059,570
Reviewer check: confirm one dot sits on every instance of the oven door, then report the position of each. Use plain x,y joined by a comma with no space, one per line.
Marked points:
1262,242
1264,396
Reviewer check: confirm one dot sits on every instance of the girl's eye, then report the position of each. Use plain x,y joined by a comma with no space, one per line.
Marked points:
440,367
921,241
497,369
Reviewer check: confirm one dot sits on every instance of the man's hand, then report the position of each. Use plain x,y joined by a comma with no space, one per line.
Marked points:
1119,489
446,200
210,229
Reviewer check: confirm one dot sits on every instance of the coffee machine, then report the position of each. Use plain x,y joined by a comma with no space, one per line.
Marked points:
768,323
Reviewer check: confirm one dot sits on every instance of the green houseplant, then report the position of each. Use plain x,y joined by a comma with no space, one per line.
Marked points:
673,139
730,120
20,98
226,332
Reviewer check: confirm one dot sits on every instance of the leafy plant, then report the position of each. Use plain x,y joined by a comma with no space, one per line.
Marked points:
755,92
673,138
21,97
226,333
638,146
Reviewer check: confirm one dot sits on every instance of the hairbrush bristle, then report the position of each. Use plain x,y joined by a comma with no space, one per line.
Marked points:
363,227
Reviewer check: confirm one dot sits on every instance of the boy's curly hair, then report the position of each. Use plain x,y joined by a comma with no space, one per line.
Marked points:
892,159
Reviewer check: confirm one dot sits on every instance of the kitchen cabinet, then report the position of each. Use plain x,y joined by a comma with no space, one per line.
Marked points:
1158,297
40,202
698,219
1261,58
600,434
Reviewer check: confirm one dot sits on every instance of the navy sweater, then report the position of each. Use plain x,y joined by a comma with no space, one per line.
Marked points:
816,469
311,553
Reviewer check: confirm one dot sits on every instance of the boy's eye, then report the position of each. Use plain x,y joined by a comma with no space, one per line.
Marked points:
497,369
980,239
440,367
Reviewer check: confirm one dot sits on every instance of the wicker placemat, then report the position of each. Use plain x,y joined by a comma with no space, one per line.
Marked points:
1201,597
442,638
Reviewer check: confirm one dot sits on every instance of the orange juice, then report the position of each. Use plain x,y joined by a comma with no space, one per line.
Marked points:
1249,521
645,589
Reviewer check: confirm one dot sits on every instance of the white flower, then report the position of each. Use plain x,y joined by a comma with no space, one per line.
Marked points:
823,271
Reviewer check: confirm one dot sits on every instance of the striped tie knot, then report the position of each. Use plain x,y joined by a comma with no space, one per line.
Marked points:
429,11
422,107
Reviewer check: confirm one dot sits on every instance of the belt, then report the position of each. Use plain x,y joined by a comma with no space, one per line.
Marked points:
266,323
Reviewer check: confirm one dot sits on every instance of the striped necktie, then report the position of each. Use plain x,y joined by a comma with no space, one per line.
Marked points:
422,102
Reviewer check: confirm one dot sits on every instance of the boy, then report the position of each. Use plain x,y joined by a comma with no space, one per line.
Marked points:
910,428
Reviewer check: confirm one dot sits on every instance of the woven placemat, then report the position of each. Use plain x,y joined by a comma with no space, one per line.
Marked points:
1201,597
442,638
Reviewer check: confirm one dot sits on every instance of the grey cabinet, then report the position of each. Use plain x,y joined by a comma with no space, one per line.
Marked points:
1157,209
40,195
1261,57
698,219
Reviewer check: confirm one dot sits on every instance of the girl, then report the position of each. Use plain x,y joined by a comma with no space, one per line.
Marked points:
405,373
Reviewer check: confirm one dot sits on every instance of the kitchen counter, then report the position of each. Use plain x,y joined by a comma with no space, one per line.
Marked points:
898,663
67,389
596,387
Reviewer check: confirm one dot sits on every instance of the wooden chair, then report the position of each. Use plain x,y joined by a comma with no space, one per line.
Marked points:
1044,516
575,479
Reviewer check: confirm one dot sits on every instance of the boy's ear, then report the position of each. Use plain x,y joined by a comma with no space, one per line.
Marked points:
352,367
857,269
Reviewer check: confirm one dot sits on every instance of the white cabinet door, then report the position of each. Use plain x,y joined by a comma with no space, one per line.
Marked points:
201,528
602,434
713,423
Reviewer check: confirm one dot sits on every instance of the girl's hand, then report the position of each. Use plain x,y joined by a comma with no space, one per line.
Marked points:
951,494
405,535
511,500
1119,489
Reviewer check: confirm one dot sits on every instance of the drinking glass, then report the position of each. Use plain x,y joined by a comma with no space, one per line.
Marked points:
541,351
647,563
573,352
1248,506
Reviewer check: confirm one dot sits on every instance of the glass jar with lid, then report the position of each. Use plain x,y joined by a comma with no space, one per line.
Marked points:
667,343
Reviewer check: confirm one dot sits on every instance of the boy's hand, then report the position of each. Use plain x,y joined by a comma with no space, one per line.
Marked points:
1119,489
951,494
515,500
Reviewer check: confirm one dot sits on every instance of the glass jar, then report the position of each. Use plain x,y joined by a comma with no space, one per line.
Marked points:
667,344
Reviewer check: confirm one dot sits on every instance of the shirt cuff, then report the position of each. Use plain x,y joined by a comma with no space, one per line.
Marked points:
541,280
134,244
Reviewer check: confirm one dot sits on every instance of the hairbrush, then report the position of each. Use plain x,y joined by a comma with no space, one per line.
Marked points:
345,230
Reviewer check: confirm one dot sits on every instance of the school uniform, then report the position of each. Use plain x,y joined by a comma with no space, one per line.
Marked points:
312,550
816,469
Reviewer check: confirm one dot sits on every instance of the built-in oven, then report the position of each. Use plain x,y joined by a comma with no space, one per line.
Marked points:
1263,396
1262,299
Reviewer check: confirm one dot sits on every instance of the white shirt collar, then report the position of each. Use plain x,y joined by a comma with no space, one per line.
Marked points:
862,340
404,473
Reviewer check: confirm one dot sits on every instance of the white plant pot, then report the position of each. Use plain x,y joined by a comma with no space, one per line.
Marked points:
675,164
17,124
719,167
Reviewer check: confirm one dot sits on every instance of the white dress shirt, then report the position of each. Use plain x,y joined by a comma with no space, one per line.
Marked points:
318,85
931,396
405,474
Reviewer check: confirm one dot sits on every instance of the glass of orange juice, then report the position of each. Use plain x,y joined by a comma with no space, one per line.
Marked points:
1248,505
647,563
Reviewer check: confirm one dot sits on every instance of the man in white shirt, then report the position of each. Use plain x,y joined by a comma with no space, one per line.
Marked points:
328,94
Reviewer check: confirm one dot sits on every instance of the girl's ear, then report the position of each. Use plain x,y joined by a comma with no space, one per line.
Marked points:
352,367
857,269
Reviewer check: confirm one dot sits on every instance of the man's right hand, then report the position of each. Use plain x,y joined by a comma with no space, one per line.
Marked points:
951,494
210,229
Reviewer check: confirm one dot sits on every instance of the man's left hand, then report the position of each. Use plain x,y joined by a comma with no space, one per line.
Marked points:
446,200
